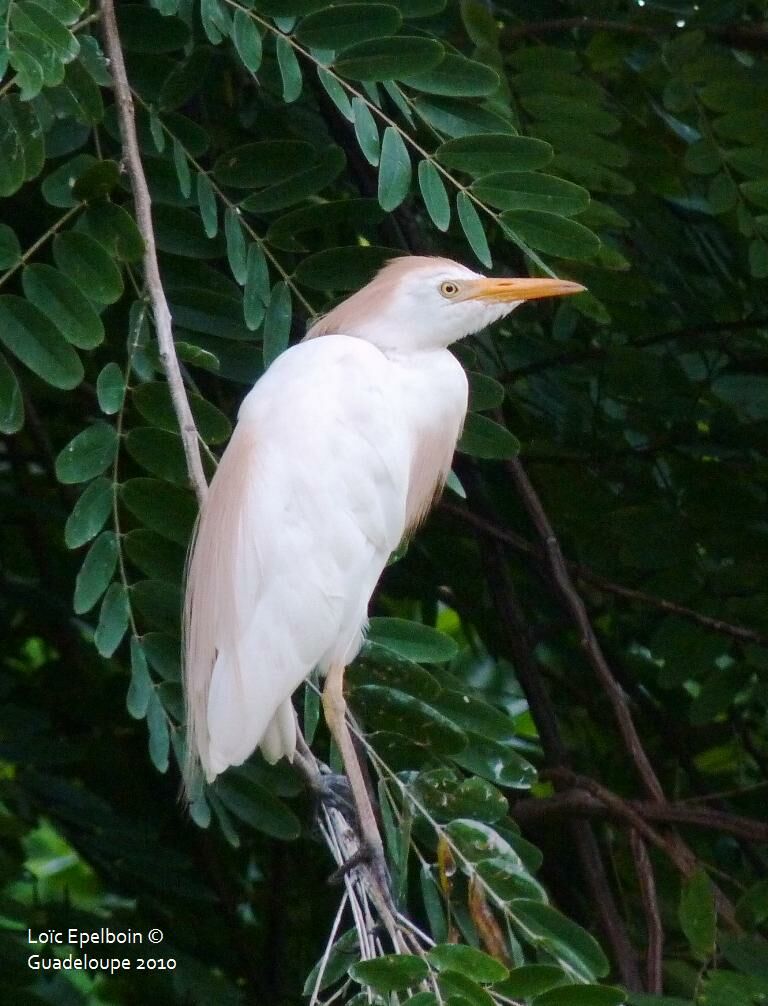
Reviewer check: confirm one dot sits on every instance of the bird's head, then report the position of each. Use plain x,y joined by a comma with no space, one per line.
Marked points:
417,302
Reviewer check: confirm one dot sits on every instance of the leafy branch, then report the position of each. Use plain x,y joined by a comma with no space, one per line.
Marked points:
380,114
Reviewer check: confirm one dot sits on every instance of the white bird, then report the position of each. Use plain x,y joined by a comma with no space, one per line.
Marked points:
339,451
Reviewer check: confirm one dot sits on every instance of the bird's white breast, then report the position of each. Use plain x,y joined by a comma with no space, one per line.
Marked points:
432,397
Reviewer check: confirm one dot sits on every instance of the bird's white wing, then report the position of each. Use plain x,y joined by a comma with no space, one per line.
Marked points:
305,508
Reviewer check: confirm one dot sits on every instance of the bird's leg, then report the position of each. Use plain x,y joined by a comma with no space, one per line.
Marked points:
335,708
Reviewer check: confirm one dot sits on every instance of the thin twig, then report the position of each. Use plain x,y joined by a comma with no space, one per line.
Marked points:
655,931
590,644
530,811
143,205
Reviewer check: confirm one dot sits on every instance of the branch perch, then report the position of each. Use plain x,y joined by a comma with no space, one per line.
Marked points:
143,205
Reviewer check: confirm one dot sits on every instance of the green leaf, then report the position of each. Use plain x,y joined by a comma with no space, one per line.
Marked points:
494,152
335,92
166,509
455,117
394,170
524,190
145,30
140,688
81,96
206,200
339,27
455,76
110,388
153,400
88,454
11,401
581,995
366,130
256,292
484,392
10,249
115,229
255,165
434,195
508,878
181,164
258,807
758,258
31,337
376,665
300,186
390,972
159,739
462,990
89,513
342,268
552,234
180,232
412,640
58,186
290,71
498,763
201,310
159,452
96,572
345,951
156,130
547,929
390,710
247,40
163,651
89,267
159,606
697,913
156,557
97,181
473,228
277,322
62,303
236,251
388,58
484,438
479,717
702,158
756,192
722,193
531,980
113,620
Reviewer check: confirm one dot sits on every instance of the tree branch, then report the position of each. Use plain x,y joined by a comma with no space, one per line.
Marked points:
655,931
587,575
583,803
516,639
592,649
143,205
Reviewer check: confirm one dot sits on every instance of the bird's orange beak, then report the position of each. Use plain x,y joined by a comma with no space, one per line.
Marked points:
525,288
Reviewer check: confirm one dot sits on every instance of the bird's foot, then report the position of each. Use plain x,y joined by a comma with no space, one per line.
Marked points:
334,790
371,856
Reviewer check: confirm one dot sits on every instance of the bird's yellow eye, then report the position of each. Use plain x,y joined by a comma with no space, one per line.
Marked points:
449,289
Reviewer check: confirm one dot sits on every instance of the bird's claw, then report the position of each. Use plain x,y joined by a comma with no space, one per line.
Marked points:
334,790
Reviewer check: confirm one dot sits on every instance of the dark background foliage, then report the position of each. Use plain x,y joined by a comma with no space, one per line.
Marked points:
566,682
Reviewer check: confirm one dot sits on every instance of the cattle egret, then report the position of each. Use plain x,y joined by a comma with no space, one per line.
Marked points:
339,451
